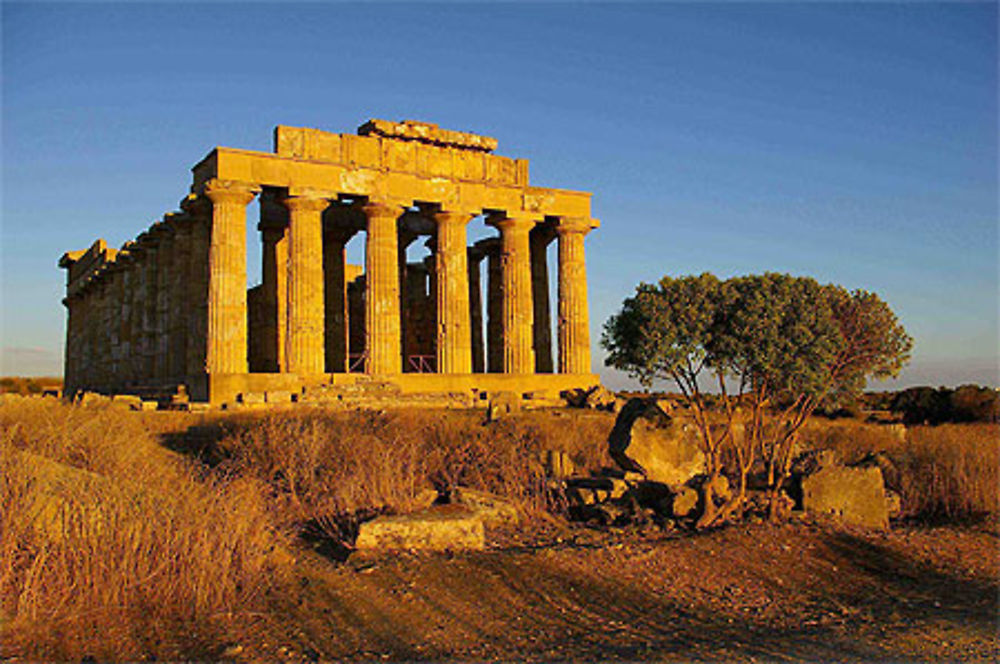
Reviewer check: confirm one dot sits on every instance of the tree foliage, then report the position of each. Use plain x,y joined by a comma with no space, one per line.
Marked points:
775,346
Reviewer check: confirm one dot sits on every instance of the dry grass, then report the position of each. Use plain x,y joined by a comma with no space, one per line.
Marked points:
112,547
330,464
947,471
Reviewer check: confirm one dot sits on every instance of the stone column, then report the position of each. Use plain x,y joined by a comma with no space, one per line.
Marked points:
574,317
273,229
336,333
494,305
71,376
180,305
149,311
304,351
382,327
474,256
113,327
227,283
515,260
542,326
197,285
454,340
164,296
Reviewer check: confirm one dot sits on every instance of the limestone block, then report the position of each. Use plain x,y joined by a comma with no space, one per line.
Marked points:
128,401
645,439
684,502
250,397
503,404
492,509
440,528
853,495
278,396
147,405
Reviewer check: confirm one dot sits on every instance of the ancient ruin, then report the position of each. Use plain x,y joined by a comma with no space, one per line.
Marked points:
172,307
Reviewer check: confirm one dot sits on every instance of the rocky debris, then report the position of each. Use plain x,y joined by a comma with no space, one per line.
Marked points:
128,401
683,503
595,398
92,399
438,528
492,509
852,495
893,504
645,439
503,404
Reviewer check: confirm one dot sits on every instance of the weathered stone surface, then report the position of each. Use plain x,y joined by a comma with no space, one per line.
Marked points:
558,464
853,495
684,502
441,528
600,398
128,401
644,439
503,404
172,307
491,508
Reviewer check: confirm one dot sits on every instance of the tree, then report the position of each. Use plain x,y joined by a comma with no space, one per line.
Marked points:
775,346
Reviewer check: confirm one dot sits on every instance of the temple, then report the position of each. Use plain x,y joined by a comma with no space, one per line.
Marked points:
172,308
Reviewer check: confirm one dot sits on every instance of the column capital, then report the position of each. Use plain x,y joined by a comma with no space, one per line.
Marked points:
383,208
340,234
230,191
490,245
475,254
515,222
198,207
567,225
306,203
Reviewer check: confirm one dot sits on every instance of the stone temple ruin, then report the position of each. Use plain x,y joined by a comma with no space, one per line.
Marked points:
172,308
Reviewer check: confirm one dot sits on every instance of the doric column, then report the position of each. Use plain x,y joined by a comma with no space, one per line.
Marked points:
574,318
474,256
200,211
114,276
180,306
304,350
149,310
273,229
515,259
454,341
336,333
494,305
382,327
130,326
227,282
540,238
164,295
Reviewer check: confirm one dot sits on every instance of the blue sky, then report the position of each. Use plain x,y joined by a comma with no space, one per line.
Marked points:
856,143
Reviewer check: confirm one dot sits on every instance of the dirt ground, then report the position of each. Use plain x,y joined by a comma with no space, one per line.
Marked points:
800,592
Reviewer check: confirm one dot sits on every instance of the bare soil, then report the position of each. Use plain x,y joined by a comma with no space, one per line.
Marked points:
802,591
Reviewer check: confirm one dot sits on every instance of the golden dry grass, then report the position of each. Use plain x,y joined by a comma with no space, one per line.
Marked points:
946,471
112,547
330,464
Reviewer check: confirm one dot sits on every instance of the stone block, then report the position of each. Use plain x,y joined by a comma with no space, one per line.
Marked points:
147,405
248,398
558,464
129,401
684,502
278,396
492,509
503,404
440,528
852,495
644,439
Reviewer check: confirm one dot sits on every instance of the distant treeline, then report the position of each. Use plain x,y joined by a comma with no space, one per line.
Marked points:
919,405
25,386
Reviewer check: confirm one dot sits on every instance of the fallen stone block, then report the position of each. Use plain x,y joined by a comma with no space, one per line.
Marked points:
644,439
440,528
492,509
126,401
503,404
852,495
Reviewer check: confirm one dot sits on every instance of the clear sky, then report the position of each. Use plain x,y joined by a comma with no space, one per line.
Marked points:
856,143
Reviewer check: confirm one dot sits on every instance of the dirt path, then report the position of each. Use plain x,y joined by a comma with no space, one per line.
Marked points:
796,592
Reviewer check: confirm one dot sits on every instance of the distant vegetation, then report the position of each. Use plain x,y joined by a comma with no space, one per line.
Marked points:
31,385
